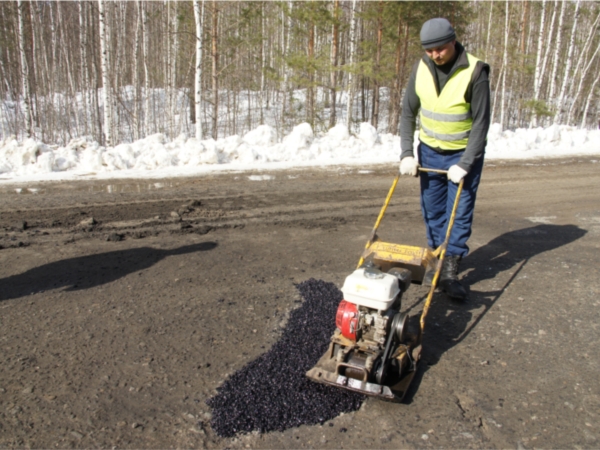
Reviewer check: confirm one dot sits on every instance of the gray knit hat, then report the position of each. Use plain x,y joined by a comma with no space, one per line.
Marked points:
436,32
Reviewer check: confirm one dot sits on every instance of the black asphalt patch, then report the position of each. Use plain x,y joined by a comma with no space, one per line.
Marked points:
272,393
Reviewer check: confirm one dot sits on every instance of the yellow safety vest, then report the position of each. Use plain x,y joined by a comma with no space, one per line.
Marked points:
445,119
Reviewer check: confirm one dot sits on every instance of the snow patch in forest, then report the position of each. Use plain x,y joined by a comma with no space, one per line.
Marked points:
157,157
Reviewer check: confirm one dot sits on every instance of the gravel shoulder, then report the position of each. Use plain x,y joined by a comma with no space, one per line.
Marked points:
125,305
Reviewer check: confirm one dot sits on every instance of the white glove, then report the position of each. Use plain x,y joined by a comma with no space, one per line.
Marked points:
409,166
456,173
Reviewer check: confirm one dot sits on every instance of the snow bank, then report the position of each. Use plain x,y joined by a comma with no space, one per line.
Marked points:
554,141
155,156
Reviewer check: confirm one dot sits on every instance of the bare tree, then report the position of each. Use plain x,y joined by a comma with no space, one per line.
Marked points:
351,83
285,53
106,90
214,34
589,97
569,62
505,61
310,95
145,52
557,47
401,56
334,61
136,76
538,60
199,20
26,90
84,76
582,77
582,70
377,62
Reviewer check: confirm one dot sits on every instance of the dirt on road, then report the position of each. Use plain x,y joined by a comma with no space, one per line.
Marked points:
124,305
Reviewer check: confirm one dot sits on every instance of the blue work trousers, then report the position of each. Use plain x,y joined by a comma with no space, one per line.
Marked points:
437,198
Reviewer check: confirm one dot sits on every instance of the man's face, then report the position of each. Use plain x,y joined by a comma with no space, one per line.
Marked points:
442,54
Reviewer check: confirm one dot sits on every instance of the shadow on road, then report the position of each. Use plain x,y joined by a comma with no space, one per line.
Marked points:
448,323
85,272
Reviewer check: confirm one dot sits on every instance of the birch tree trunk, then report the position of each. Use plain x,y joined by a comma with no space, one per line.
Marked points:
351,83
581,73
85,83
580,85
310,100
375,117
334,63
524,22
106,91
199,19
215,69
97,124
145,51
72,108
26,90
263,42
45,76
557,46
271,46
538,60
5,84
589,98
400,63
34,71
583,52
174,69
286,71
117,33
168,107
505,62
561,95
136,76
3,72
549,35
13,86
489,27
3,96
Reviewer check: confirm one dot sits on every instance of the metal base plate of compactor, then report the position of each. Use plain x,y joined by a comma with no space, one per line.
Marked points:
355,375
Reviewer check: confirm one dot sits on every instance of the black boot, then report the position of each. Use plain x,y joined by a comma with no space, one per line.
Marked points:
449,279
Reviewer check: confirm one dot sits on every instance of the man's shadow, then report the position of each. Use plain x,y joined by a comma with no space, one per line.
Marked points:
448,323
86,272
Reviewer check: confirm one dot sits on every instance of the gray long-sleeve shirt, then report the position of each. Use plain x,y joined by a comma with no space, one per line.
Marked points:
478,95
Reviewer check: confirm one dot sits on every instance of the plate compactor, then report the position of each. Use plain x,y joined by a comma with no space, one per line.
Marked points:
372,351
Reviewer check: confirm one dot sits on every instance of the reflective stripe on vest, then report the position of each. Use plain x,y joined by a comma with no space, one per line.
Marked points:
445,119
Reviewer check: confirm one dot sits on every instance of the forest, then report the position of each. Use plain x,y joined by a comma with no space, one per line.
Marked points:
117,71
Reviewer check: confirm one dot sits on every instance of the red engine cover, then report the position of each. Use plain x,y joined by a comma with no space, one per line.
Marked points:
346,319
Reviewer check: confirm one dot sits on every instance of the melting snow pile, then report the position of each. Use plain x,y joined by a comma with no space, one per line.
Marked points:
155,156
554,141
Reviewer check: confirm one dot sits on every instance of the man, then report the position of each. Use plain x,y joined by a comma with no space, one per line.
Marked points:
449,89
